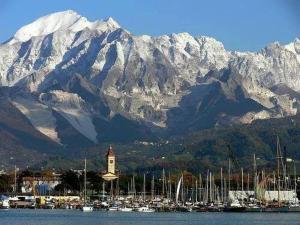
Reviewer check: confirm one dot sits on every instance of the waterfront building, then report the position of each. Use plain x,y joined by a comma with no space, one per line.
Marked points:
39,185
267,195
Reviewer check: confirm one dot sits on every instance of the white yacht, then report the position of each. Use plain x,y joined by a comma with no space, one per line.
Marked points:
113,208
5,204
145,209
87,208
126,209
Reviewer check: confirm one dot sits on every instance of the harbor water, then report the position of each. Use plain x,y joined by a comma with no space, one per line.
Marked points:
76,217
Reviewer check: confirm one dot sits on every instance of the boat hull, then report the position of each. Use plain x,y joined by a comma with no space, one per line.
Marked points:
87,209
283,209
234,209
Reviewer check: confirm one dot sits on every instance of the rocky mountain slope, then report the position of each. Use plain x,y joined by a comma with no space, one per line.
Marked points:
86,82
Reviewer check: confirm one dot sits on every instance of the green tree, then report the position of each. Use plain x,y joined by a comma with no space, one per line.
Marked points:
70,181
5,181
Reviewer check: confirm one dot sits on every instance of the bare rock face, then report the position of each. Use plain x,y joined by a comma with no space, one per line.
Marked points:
89,71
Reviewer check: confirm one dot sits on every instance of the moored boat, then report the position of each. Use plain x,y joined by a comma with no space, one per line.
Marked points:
145,209
235,206
113,208
87,208
126,209
5,204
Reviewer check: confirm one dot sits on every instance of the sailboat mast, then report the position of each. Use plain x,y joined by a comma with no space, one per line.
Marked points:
103,190
229,175
213,187
222,191
152,188
278,171
118,188
84,199
170,187
196,194
210,190
242,186
225,190
163,184
182,191
200,188
206,187
248,182
144,188
295,179
254,175
15,186
133,187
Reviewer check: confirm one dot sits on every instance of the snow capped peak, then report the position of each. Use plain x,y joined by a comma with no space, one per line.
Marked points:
48,24
297,46
297,40
273,50
181,39
182,35
104,25
110,21
294,47
273,45
65,20
204,40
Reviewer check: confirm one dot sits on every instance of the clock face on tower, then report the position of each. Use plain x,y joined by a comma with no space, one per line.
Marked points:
111,161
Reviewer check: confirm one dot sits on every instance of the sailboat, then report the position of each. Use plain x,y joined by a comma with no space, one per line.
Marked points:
180,206
85,207
178,189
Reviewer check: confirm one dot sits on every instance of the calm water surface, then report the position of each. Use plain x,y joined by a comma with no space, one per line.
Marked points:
72,217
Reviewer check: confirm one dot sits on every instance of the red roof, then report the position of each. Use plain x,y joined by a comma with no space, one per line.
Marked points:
110,151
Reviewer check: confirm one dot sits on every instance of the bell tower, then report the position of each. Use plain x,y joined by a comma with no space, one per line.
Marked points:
110,173
111,161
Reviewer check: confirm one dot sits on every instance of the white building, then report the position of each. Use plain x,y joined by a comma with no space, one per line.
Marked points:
268,196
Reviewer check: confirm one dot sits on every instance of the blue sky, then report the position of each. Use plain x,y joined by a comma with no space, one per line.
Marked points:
239,24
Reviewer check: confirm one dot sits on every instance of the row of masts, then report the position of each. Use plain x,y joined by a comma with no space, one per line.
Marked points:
212,187
209,187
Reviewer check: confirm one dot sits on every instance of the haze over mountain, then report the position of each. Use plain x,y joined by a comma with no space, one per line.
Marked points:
79,83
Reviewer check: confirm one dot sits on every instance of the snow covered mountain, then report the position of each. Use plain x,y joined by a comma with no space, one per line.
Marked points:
99,80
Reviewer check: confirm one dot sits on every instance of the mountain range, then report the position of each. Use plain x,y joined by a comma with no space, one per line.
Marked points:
66,82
